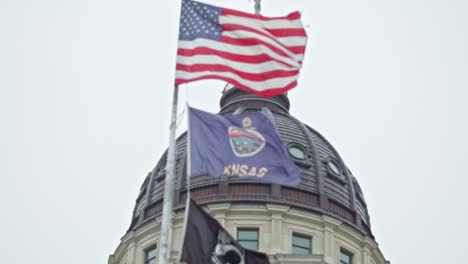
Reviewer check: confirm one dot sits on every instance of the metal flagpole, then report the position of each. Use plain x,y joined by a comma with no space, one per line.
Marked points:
170,174
257,7
166,223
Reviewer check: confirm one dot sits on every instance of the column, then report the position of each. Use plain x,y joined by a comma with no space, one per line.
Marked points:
330,253
277,232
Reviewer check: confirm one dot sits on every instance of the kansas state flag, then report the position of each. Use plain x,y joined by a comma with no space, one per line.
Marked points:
245,146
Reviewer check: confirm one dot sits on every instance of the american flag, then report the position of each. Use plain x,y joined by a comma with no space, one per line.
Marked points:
258,54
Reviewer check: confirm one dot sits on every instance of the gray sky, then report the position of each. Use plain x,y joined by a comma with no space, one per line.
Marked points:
85,88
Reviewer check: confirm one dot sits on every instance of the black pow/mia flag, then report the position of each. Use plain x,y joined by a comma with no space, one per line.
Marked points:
207,242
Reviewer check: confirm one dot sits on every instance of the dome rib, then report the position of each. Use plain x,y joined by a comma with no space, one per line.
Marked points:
352,192
317,164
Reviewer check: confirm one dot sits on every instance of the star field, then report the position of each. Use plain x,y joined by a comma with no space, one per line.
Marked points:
199,20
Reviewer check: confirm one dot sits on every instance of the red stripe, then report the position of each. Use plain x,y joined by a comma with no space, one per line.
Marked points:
257,77
287,32
227,12
230,56
297,49
232,27
266,93
254,41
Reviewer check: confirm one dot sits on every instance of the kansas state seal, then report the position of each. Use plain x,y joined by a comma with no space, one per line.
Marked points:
245,141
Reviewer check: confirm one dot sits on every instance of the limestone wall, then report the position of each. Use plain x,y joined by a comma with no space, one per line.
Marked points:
276,225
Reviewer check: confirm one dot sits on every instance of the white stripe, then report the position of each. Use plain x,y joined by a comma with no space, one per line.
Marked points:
234,49
256,68
252,22
293,41
240,34
258,86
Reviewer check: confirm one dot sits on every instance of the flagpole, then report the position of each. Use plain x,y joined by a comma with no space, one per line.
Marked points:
166,223
258,7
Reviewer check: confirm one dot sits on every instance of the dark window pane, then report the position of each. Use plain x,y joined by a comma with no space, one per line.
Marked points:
301,251
248,238
247,235
151,254
345,257
253,245
301,245
301,241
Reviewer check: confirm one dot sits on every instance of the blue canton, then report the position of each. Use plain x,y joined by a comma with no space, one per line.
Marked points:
198,20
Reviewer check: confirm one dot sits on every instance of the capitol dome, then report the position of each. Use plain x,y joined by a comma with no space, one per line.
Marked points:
327,209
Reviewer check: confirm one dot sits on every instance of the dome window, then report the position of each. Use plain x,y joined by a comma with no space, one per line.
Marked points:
297,151
334,168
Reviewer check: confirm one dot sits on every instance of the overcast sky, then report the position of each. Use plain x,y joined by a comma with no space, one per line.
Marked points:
85,91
